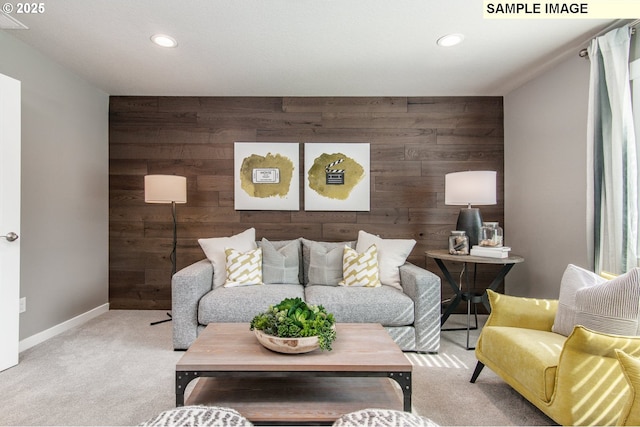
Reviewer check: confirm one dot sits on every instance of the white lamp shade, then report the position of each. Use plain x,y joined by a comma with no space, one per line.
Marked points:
470,188
165,189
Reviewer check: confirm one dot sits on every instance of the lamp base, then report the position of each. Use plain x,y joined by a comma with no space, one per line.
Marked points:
470,221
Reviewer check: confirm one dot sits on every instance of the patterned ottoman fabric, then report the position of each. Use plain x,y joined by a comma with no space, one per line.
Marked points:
192,416
382,418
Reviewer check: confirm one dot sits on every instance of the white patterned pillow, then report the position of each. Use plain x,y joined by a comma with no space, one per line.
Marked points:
243,268
360,270
573,279
611,307
214,248
392,253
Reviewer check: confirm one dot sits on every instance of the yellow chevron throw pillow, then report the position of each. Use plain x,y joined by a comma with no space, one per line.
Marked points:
243,268
360,270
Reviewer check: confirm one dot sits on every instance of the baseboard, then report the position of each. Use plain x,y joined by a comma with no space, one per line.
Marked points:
62,327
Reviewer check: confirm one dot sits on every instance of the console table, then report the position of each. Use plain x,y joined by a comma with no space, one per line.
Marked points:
441,255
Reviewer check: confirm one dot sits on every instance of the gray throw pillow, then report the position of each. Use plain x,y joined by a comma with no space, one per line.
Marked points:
323,261
281,262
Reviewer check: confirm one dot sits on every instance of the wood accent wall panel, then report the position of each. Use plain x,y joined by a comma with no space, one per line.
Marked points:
414,141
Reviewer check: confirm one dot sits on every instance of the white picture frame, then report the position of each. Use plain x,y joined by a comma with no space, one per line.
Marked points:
266,176
325,189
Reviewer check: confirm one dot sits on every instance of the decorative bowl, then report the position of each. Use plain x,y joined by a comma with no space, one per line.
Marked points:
287,345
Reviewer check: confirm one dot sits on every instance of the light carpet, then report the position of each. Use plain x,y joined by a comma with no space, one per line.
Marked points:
118,370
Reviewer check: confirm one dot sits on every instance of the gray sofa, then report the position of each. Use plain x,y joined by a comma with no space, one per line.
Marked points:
409,312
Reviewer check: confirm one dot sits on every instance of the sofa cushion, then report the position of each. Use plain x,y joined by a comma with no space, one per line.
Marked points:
631,368
528,356
326,268
611,307
244,303
243,268
385,304
360,269
573,279
214,250
392,253
281,261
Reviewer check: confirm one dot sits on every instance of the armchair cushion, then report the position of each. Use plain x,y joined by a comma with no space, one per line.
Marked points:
524,354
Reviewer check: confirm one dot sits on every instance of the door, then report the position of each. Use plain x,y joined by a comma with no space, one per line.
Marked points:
9,221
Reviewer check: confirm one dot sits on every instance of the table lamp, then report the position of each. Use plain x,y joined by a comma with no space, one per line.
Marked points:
470,188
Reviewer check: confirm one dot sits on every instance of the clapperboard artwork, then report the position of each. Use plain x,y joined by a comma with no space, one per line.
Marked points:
335,176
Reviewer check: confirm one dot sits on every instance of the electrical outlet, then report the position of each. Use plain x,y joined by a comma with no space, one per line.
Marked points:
23,304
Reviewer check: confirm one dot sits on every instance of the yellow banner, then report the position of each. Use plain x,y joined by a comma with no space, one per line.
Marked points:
586,9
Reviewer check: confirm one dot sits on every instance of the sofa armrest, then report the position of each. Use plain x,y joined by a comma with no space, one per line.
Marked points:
589,378
187,287
423,287
520,312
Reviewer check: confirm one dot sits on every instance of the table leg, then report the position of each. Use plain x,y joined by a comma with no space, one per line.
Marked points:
183,378
404,381
452,306
494,285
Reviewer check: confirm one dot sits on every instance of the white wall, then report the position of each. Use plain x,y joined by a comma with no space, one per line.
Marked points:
545,177
65,194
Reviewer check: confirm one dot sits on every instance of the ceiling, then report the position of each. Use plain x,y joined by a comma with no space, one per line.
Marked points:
299,47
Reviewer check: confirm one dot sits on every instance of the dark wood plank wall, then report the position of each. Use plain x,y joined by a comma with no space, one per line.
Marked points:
414,141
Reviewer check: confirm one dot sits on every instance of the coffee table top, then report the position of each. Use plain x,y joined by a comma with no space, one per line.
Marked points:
233,347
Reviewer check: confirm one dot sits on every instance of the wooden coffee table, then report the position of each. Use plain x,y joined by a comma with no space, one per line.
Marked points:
363,370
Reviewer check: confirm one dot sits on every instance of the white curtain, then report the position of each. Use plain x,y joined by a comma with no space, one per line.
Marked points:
613,154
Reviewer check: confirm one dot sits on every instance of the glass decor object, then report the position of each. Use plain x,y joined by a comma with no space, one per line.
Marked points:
491,235
458,243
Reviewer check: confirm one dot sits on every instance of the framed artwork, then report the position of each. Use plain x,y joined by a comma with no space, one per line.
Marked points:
336,177
266,176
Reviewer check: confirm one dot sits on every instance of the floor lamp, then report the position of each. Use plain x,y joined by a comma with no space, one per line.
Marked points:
470,188
167,189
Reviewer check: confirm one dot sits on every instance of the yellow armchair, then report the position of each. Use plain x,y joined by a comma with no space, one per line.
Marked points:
575,380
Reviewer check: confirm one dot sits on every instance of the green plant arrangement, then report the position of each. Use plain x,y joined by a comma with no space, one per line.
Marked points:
293,318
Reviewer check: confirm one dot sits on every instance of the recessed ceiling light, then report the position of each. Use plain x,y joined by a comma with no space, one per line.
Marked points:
450,40
164,40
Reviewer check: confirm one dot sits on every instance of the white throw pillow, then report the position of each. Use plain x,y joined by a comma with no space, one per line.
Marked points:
611,307
243,268
360,270
214,250
573,279
392,253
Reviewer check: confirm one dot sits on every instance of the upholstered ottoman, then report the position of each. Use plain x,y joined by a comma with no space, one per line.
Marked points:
382,418
193,416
